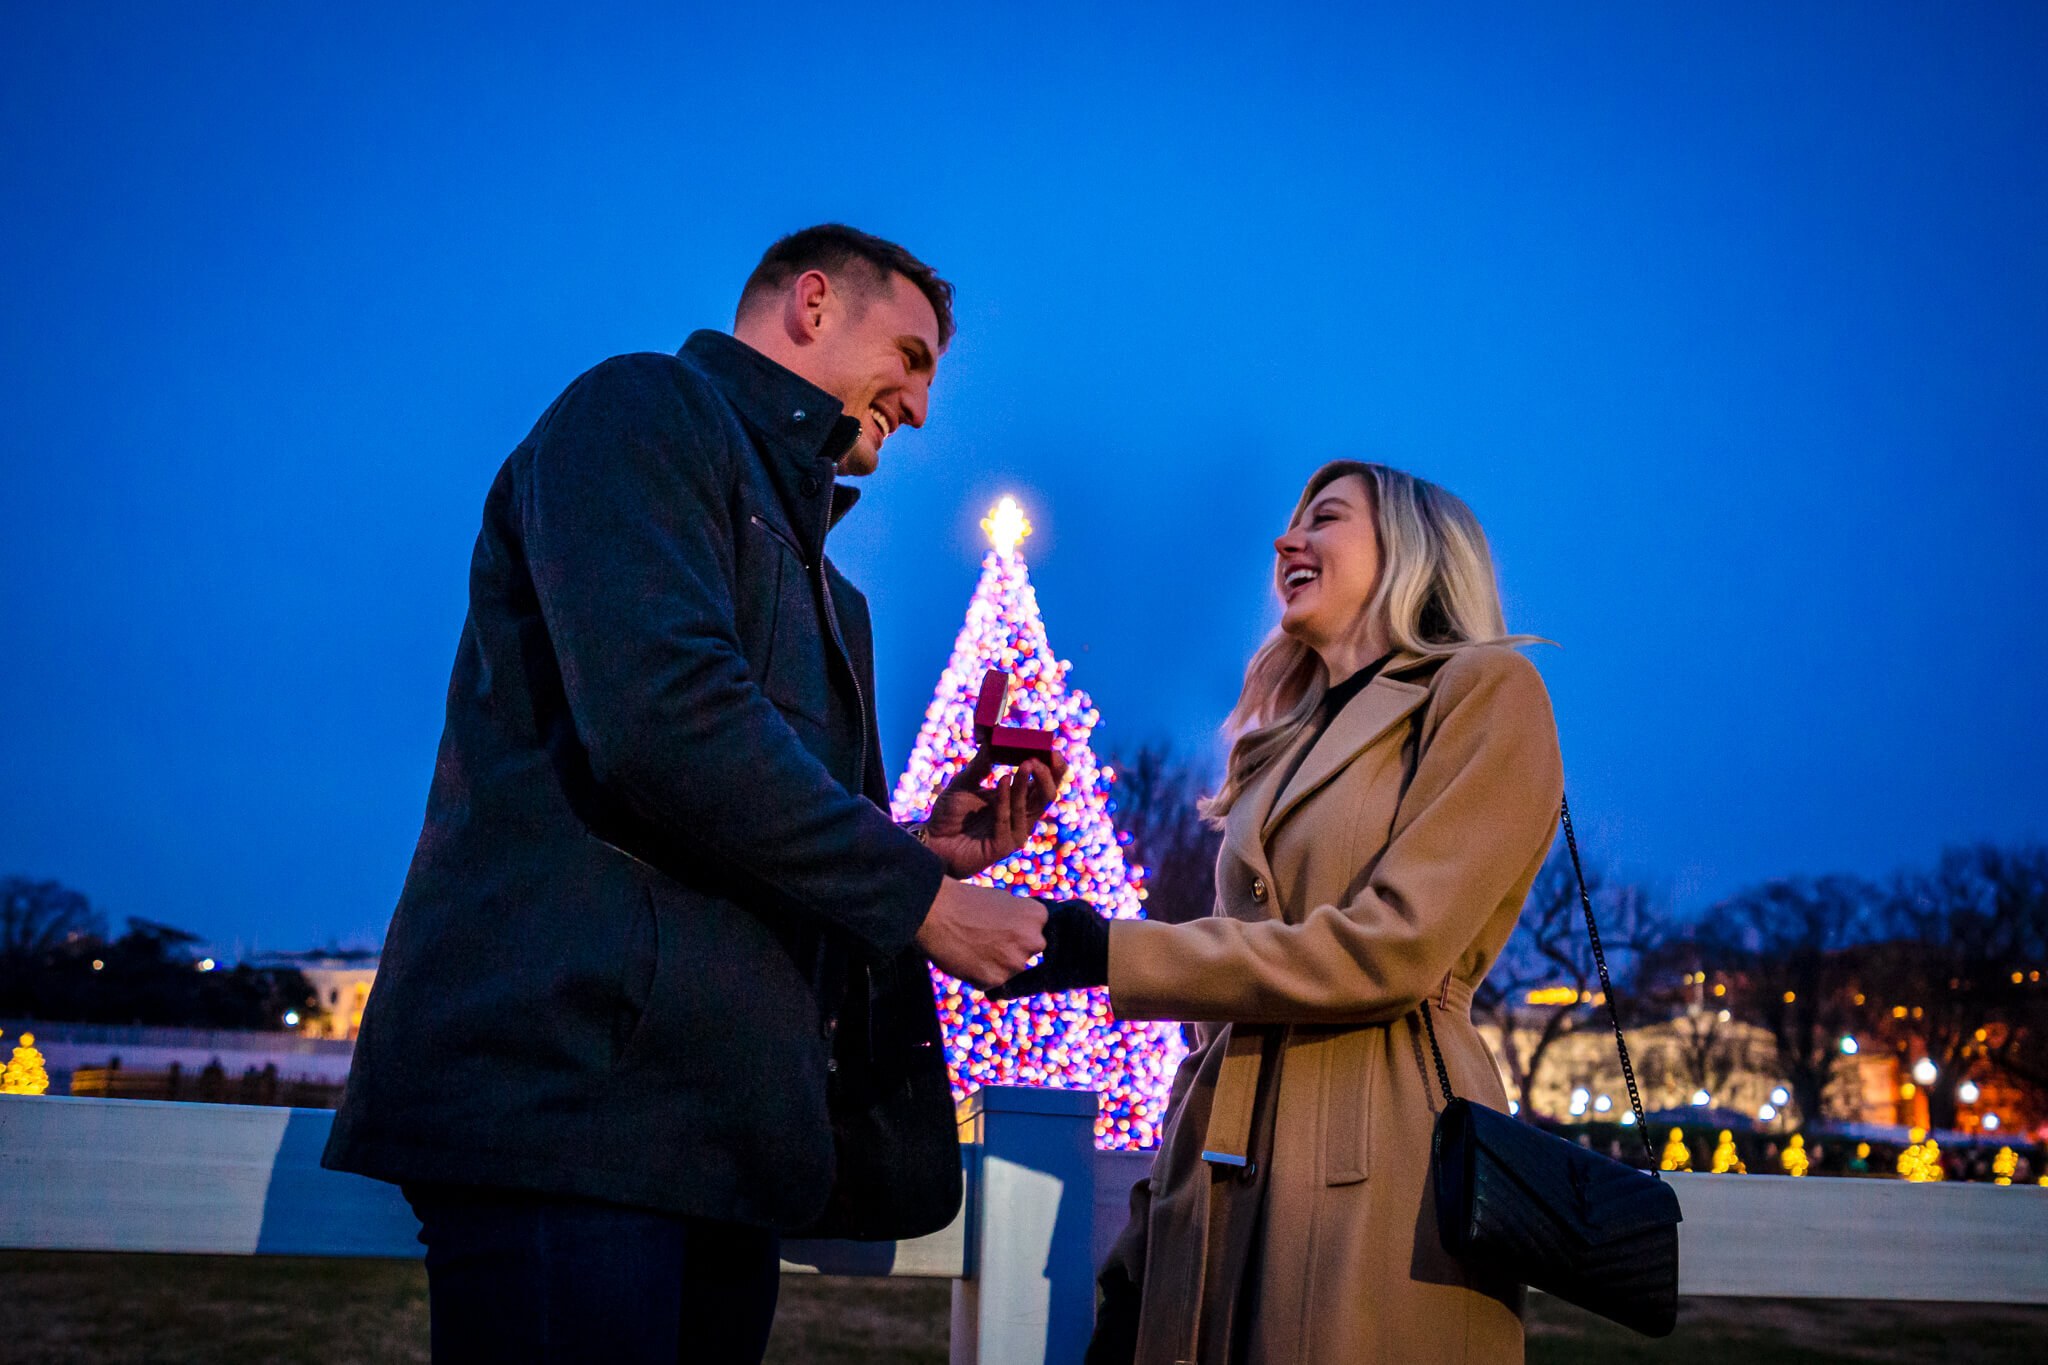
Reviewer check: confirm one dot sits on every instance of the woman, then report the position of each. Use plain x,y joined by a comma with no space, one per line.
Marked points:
1391,792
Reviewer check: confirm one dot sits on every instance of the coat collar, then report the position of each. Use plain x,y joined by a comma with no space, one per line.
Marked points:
1385,702
800,430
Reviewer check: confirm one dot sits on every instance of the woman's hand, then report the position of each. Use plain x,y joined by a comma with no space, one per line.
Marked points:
1076,954
972,828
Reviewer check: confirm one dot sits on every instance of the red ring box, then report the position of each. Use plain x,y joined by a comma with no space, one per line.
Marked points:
1005,743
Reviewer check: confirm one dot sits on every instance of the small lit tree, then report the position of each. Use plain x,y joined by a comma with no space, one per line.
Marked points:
25,1074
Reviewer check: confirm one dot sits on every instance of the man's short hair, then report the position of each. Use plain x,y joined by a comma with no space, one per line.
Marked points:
832,248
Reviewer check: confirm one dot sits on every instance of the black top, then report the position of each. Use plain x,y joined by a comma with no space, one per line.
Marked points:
1334,701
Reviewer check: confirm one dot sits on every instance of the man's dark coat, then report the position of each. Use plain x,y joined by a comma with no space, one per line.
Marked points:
656,944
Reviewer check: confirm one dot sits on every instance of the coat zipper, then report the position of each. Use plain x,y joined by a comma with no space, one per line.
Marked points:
860,698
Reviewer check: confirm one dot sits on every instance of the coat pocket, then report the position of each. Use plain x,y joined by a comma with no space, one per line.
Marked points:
644,984
640,970
1348,1072
792,663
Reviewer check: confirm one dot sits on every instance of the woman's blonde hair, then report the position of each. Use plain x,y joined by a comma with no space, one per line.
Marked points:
1436,595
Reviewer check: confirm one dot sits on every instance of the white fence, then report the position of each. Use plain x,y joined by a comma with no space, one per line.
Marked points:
1042,1208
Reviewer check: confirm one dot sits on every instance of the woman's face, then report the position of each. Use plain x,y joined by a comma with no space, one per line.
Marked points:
1327,565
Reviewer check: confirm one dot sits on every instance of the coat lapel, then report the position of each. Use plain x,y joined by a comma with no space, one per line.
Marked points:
1241,829
1384,704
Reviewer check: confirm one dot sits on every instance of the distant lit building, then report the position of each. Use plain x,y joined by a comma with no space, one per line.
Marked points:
1869,1086
341,980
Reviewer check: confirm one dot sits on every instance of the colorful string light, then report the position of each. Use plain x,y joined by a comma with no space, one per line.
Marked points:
1069,1041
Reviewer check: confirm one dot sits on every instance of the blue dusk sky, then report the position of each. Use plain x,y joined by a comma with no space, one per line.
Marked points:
1731,323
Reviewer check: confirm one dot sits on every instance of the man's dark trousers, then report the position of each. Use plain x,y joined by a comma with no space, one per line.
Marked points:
517,1278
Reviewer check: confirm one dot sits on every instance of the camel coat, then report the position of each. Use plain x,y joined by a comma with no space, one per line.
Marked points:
1384,880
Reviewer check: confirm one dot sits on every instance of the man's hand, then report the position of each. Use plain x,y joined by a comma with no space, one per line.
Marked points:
1076,954
980,934
973,828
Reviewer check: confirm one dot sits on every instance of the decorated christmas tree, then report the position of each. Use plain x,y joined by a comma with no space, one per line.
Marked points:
25,1074
1067,1041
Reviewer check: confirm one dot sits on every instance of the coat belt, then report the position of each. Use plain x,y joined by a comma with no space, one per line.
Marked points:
1228,1139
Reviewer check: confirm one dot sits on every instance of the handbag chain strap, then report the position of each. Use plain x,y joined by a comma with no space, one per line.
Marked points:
1628,1071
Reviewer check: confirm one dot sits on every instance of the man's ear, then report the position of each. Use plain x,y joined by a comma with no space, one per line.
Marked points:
809,307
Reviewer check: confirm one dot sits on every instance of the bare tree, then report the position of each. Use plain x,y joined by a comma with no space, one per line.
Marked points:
37,921
1957,980
1792,948
36,918
1683,982
1154,807
1546,986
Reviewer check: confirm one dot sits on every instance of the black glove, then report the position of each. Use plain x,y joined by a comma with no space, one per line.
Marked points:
1076,954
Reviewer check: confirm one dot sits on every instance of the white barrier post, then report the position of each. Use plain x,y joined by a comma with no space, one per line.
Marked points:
1028,1296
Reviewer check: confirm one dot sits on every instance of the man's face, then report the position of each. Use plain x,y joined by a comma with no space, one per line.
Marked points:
878,362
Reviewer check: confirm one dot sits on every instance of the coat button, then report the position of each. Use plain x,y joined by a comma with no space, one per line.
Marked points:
1259,889
797,416
811,485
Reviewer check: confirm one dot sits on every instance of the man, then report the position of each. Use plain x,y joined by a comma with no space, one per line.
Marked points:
655,990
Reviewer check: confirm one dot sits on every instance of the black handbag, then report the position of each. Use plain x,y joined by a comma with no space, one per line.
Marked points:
1514,1202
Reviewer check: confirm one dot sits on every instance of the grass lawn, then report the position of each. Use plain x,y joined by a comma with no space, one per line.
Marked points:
90,1308
1796,1332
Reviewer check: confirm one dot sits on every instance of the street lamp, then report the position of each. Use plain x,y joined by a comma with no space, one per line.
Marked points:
1924,1071
1967,1092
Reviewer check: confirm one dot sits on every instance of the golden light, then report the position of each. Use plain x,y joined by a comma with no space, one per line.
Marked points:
1553,995
1006,525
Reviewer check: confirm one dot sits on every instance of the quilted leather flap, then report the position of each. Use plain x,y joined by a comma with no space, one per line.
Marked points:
1596,1198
